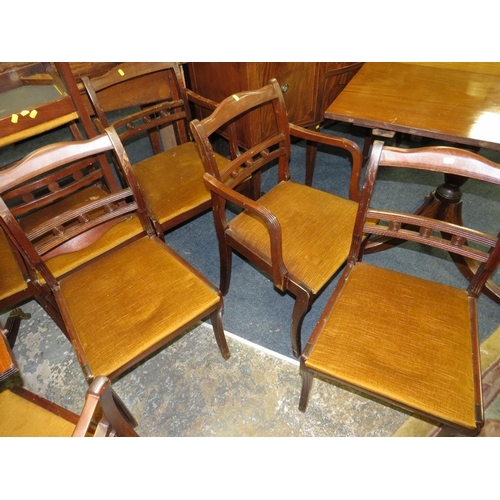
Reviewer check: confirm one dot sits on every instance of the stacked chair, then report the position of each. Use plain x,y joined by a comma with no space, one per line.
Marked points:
398,337
298,235
119,290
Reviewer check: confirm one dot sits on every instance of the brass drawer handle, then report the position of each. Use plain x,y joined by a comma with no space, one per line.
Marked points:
284,88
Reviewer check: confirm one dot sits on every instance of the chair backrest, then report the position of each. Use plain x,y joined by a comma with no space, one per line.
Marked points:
43,106
275,147
77,225
479,247
151,96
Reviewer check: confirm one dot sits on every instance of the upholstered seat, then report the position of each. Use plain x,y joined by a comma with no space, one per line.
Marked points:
111,336
309,259
12,281
172,182
424,371
21,418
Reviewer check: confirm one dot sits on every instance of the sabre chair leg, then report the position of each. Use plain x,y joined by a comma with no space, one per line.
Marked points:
307,381
302,305
220,337
226,260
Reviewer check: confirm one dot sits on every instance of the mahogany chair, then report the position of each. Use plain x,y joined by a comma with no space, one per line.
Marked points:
155,100
25,414
401,338
37,106
297,234
121,292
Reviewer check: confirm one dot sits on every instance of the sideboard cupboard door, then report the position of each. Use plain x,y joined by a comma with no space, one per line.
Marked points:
307,88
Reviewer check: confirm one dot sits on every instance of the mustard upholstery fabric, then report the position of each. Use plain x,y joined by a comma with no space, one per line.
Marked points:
22,418
404,338
172,181
130,300
316,227
11,278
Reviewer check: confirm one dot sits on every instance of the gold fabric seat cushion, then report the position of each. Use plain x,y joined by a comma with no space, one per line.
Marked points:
316,229
133,298
403,338
21,418
172,181
11,278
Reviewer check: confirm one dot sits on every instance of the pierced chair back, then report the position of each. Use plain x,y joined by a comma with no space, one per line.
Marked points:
120,290
37,109
298,235
405,339
154,101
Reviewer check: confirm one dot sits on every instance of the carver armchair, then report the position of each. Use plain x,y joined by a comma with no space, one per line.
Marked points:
155,101
406,338
121,292
297,234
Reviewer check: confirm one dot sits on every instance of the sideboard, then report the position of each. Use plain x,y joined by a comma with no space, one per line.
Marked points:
308,87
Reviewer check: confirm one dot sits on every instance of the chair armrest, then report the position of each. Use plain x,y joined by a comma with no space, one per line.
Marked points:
199,100
279,270
339,142
104,410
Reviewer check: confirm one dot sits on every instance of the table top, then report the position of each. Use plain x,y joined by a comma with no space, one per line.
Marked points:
456,102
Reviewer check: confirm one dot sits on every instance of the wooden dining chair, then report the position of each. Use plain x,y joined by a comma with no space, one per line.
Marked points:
120,290
297,234
42,106
26,414
405,339
155,100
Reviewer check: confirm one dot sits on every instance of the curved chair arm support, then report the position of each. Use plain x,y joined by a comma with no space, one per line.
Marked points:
339,142
280,272
102,404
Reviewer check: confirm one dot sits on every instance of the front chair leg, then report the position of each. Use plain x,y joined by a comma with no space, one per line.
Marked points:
225,254
220,337
302,305
307,381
